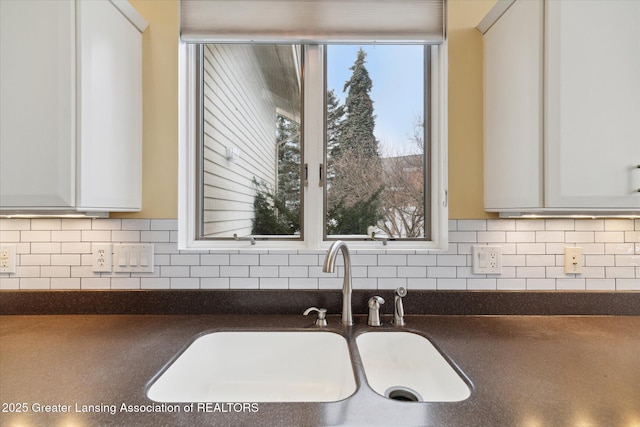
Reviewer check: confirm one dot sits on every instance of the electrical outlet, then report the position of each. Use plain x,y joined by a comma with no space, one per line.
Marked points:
487,259
572,260
8,259
133,258
102,257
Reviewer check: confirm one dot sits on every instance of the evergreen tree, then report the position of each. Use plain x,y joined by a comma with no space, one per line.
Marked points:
277,211
335,117
357,131
288,140
354,165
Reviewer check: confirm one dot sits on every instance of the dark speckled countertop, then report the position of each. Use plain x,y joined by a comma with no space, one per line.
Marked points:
525,371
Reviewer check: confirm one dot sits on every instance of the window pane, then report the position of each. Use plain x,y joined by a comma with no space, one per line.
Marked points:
375,153
251,144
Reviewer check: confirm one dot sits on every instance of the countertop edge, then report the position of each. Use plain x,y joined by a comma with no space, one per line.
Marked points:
417,302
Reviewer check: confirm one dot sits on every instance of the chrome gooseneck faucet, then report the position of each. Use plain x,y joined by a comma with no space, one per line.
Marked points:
329,267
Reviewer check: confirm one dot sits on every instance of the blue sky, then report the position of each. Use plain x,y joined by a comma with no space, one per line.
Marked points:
397,73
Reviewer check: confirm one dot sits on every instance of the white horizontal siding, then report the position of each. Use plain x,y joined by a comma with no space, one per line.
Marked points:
238,113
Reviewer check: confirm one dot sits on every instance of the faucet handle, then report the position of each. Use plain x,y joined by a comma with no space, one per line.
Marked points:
374,311
322,315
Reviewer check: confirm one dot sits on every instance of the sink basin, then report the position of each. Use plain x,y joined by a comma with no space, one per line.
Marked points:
406,366
246,366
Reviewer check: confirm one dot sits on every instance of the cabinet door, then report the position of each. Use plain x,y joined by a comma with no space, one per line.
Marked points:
110,131
513,109
37,127
593,104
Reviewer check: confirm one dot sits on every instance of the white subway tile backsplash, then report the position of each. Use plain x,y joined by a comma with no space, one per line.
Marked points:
619,248
491,236
579,236
66,236
155,236
125,236
96,236
521,236
412,271
501,224
563,224
107,224
530,225
46,224
609,236
95,283
295,271
9,283
533,272
549,236
214,283
511,284
589,225
40,259
620,272
393,259
55,271
571,285
62,283
136,224
628,284
601,284
56,254
392,282
303,259
487,284
185,283
618,224
471,225
452,284
155,283
541,284
424,283
124,283
34,283
244,259
442,272
205,271
65,259
234,271
46,248
244,283
382,272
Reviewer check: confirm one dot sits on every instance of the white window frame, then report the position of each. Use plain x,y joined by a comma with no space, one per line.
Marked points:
314,152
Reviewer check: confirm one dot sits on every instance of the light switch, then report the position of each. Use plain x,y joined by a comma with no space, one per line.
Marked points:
487,259
133,258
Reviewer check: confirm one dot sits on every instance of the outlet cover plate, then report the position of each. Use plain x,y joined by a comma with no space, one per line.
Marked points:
487,259
101,257
8,259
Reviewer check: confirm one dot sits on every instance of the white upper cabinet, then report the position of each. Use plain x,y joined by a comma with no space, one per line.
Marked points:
71,112
562,107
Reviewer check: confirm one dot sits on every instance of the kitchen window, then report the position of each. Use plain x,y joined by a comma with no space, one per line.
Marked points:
294,145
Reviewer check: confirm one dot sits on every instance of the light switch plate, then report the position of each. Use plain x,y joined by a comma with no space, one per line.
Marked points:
487,259
572,260
133,258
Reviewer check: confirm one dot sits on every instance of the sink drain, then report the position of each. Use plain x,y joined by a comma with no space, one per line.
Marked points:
403,394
